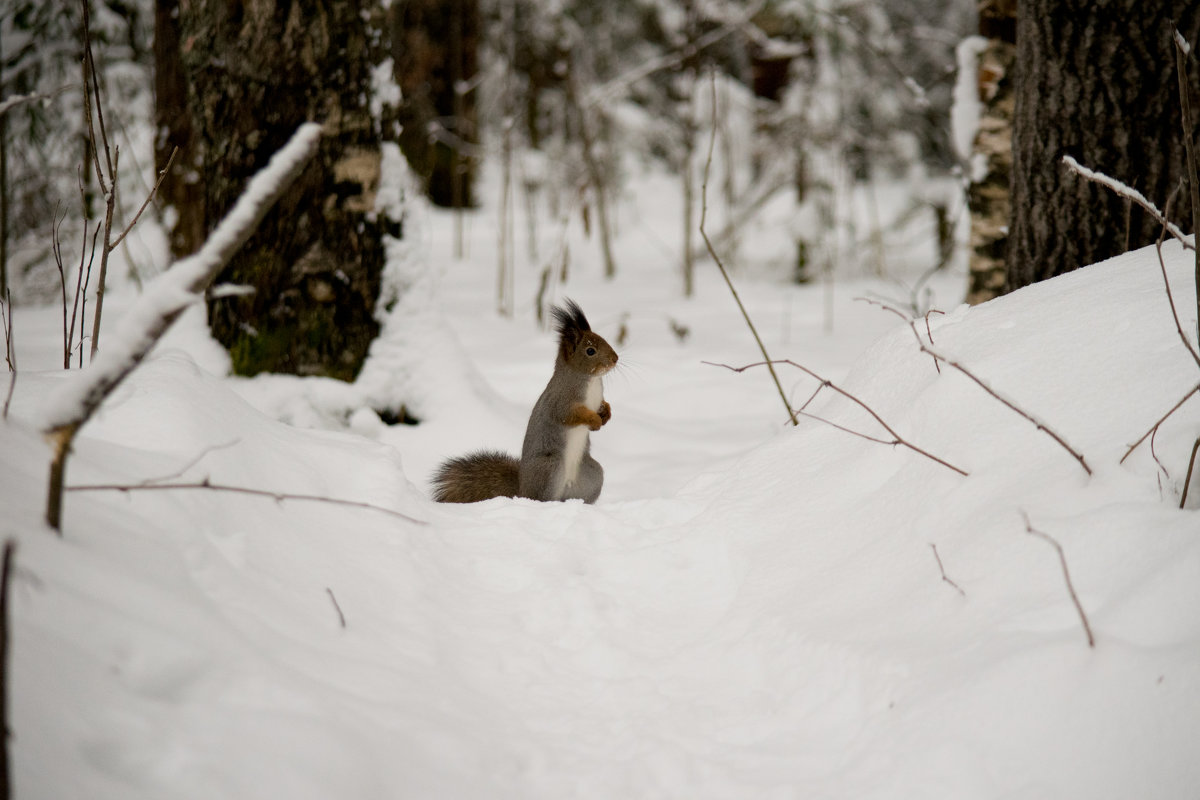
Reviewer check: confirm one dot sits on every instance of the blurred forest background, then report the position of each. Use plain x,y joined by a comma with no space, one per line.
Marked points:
859,117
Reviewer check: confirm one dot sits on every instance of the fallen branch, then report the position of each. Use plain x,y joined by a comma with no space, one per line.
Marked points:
206,485
896,439
942,570
1062,558
163,301
938,356
721,266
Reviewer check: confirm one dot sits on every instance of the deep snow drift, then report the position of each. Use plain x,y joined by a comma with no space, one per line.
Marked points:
750,611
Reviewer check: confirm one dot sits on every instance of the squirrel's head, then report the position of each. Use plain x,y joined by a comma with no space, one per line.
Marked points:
579,347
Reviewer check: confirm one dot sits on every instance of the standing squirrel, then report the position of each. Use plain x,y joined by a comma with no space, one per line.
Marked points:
555,462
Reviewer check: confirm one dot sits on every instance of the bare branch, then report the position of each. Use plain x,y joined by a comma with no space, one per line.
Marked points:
1161,420
1037,423
897,439
146,202
721,266
179,472
1188,480
1062,558
206,485
6,569
621,83
10,350
1162,265
942,570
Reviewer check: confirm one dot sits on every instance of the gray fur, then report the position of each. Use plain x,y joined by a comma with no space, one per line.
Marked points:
542,454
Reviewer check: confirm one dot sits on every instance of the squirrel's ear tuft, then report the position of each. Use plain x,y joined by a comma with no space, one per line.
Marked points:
569,321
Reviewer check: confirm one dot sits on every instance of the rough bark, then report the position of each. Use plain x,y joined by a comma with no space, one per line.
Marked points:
254,71
180,190
988,197
1095,80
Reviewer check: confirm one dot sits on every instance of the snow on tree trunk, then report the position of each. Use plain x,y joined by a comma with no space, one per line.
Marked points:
254,71
1096,82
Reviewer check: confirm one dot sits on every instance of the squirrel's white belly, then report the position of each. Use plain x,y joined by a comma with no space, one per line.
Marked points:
577,435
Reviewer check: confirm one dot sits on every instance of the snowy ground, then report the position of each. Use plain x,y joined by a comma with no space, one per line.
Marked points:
751,610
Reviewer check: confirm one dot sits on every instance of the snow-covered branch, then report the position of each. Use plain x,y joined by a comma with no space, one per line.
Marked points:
1129,193
165,298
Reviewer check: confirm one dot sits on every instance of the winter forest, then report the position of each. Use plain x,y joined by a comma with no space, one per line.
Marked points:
599,399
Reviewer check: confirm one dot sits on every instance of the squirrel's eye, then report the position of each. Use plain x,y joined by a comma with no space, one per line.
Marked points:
591,351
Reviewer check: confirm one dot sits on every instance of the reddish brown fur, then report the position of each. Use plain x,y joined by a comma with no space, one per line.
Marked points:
582,415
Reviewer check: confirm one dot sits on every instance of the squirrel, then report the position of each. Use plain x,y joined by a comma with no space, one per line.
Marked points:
555,462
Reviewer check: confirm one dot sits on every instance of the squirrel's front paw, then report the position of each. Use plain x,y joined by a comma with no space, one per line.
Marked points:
604,412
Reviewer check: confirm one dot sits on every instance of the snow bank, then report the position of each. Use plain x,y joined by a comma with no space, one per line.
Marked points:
776,629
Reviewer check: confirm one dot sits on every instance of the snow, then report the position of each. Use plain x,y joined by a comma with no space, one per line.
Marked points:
750,610
171,292
966,108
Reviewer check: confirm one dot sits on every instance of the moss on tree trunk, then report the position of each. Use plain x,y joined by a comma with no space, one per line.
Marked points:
254,71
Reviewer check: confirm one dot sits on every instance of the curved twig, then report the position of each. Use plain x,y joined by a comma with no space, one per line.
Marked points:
897,439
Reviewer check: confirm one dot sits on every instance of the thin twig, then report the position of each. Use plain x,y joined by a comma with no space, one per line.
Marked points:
1191,466
942,570
1162,265
721,266
1041,426
6,569
179,472
1161,420
164,300
337,608
206,485
1129,193
897,439
1182,49
929,335
10,349
161,175
1062,558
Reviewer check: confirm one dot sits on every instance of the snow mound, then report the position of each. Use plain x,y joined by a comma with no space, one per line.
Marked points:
777,629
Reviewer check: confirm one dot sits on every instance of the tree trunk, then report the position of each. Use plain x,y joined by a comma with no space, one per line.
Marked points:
1095,81
179,190
256,70
427,37
988,197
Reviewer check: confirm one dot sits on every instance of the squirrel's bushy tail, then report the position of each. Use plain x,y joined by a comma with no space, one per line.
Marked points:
478,476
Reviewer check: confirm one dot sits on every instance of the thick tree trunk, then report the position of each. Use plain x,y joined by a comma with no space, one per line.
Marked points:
1095,80
255,70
